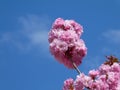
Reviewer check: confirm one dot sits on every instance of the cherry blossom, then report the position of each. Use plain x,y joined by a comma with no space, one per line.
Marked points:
65,43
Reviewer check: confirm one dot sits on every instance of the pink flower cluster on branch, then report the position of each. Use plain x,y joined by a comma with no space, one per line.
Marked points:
67,47
65,42
107,77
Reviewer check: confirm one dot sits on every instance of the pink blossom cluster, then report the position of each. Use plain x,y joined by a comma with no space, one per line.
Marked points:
107,77
65,42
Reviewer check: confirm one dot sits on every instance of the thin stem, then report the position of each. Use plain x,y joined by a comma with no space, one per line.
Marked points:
76,68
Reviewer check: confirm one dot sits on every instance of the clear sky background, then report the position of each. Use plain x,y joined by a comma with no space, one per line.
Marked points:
25,60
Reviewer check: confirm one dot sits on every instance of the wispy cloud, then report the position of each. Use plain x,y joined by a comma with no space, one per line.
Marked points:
33,32
112,36
111,42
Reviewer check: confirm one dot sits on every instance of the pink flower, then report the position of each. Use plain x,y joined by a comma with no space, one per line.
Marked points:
65,42
78,84
58,23
98,85
107,77
118,86
77,27
104,68
82,81
93,73
115,67
68,84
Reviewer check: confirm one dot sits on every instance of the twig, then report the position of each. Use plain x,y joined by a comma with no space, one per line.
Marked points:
75,67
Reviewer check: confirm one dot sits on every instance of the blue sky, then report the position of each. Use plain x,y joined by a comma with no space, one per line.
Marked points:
25,60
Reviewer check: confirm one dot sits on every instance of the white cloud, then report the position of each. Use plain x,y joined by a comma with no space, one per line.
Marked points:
35,28
112,36
111,42
38,37
33,32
